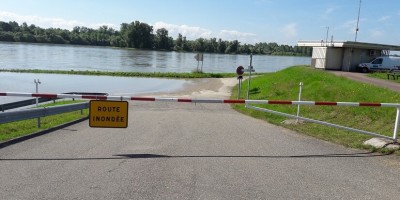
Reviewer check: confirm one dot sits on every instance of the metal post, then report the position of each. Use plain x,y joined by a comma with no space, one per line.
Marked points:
298,106
37,99
250,69
358,20
396,125
327,33
239,89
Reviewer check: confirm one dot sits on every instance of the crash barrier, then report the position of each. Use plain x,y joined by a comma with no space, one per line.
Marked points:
28,102
19,115
238,101
18,104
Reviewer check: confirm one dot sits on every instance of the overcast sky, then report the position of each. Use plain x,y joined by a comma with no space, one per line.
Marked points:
249,21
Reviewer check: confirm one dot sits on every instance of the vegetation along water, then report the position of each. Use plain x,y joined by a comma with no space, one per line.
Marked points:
139,35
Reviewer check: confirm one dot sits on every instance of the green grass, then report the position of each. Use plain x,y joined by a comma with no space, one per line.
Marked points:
126,74
323,86
21,128
382,75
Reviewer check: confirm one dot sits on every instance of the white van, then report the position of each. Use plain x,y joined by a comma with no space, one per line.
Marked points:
380,63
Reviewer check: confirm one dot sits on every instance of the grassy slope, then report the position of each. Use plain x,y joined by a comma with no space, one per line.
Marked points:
324,86
382,75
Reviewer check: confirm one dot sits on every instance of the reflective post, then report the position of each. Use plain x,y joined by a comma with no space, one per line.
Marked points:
396,125
37,82
298,106
250,69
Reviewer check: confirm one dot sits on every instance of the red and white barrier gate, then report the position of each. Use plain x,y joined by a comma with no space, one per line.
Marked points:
233,101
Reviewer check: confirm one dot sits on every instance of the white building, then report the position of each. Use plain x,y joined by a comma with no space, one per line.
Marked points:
345,55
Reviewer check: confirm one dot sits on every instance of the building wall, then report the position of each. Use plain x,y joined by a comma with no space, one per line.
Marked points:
319,57
345,59
352,57
334,58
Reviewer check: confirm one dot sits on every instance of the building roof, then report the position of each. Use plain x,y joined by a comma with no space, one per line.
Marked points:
348,44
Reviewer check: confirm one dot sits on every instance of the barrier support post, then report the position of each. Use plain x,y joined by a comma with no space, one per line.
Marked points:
396,125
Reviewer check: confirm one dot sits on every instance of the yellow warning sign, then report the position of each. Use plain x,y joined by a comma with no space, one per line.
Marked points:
108,114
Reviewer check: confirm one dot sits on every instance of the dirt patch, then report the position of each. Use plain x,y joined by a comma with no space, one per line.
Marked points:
214,88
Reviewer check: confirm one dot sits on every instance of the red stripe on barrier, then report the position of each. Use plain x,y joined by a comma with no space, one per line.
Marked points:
185,100
234,101
280,102
143,99
371,104
50,96
326,103
94,97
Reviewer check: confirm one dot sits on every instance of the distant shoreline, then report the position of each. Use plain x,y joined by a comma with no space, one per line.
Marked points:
126,74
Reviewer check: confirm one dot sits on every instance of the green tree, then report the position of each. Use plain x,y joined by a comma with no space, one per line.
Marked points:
140,35
233,47
221,47
162,39
6,27
179,43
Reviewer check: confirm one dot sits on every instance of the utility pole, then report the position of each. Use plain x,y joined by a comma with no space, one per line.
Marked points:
358,20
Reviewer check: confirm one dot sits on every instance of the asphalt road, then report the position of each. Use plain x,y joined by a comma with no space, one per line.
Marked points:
191,151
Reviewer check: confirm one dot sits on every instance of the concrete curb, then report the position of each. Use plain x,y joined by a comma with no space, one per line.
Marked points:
37,134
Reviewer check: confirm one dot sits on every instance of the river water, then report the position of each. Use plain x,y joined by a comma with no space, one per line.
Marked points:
69,57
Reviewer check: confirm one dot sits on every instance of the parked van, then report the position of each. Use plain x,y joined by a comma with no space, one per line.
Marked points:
380,63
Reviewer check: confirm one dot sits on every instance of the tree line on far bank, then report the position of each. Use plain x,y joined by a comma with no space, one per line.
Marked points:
139,35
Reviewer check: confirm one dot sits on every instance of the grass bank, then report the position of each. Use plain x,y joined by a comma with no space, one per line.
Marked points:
21,128
382,75
126,74
323,86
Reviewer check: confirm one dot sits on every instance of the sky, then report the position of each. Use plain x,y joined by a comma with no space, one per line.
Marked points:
249,21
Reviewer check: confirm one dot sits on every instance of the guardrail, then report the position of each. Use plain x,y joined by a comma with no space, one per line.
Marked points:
33,113
28,102
18,104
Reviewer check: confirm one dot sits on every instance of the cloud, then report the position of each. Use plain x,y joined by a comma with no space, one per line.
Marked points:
290,30
236,35
383,18
97,25
48,22
326,14
350,25
329,10
191,32
376,33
